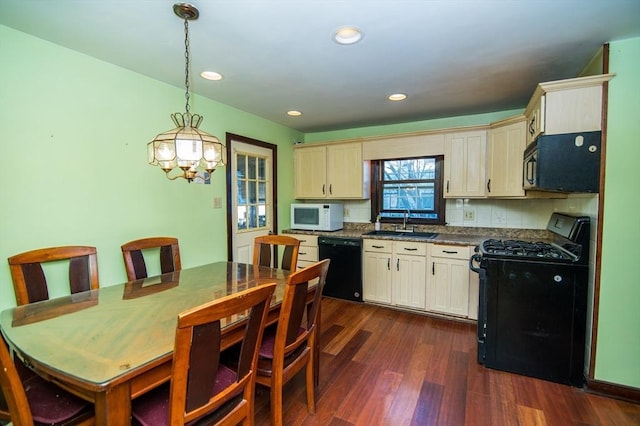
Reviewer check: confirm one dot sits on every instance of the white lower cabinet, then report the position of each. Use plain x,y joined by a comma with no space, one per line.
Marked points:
308,250
376,286
448,283
395,273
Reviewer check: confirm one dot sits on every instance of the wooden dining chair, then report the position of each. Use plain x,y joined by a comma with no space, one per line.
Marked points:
265,251
29,280
290,345
34,401
133,255
201,387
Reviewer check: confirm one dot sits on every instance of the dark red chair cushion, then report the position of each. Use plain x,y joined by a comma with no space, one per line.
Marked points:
49,403
152,408
269,340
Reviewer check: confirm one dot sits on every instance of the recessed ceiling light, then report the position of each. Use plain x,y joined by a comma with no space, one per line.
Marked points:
294,113
347,35
397,97
211,75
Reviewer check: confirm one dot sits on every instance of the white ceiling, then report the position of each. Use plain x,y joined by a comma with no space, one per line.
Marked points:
452,57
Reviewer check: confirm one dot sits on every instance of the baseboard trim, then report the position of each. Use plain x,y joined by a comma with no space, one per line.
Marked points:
613,390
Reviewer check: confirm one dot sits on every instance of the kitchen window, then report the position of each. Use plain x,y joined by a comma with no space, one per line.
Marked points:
410,186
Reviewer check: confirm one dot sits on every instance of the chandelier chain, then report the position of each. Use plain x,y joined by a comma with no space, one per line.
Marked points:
186,63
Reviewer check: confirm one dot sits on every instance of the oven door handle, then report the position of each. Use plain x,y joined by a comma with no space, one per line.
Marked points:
475,259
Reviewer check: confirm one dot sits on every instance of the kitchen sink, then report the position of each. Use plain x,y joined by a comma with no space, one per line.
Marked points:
405,234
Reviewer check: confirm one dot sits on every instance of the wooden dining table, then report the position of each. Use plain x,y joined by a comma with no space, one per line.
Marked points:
113,344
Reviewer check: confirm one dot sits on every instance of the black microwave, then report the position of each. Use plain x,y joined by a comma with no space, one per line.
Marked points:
567,162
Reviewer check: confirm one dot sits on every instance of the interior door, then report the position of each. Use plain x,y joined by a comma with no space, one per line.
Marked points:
250,199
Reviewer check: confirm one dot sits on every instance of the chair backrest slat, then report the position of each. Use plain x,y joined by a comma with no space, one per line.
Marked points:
204,360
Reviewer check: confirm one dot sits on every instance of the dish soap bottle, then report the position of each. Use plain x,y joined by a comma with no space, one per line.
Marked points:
377,224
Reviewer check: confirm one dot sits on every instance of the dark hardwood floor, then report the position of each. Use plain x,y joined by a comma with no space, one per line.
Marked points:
384,367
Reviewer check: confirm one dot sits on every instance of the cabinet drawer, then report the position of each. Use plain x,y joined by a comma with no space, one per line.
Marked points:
308,253
450,251
379,246
410,247
306,240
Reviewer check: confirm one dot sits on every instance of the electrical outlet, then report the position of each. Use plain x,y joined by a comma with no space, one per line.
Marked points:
469,215
346,212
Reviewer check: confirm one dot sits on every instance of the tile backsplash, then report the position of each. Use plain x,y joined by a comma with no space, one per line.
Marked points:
525,214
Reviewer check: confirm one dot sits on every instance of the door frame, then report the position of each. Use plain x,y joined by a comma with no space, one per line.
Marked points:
229,137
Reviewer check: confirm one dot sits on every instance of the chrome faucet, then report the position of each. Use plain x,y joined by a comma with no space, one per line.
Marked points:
405,220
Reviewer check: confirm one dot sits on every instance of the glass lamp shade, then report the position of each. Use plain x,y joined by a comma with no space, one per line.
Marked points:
187,148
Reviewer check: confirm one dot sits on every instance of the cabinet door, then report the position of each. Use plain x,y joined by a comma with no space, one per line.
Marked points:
409,281
505,150
449,286
310,172
535,118
465,162
345,171
377,277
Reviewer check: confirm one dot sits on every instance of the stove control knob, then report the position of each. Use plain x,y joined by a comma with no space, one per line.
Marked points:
557,278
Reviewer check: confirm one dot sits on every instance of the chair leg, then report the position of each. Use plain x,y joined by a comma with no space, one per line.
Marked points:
276,405
311,399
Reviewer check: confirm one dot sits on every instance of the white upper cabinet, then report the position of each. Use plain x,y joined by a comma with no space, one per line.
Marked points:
505,149
465,164
566,106
331,171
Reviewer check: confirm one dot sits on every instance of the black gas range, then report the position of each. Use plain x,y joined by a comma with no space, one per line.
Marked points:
533,302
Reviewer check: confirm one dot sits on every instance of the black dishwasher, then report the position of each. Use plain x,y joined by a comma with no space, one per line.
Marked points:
344,279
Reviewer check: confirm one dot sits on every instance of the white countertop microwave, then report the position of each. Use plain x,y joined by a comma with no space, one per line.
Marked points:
317,217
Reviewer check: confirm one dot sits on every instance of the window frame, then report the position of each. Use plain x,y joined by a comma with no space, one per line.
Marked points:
377,184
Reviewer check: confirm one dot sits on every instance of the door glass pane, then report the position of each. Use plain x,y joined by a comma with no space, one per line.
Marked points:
242,166
252,192
253,217
242,192
242,217
251,166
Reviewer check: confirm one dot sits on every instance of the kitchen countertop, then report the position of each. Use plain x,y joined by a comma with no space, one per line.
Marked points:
466,236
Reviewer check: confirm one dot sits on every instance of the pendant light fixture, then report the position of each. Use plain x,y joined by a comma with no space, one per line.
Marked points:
186,148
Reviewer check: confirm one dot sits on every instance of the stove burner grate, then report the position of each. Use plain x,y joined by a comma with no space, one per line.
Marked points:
524,249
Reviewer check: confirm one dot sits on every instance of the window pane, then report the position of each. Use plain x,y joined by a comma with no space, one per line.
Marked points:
413,196
419,168
262,168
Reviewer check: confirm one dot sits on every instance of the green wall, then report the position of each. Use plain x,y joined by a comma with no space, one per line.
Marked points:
73,164
617,357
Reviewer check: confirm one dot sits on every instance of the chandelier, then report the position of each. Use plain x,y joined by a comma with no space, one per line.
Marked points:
186,148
